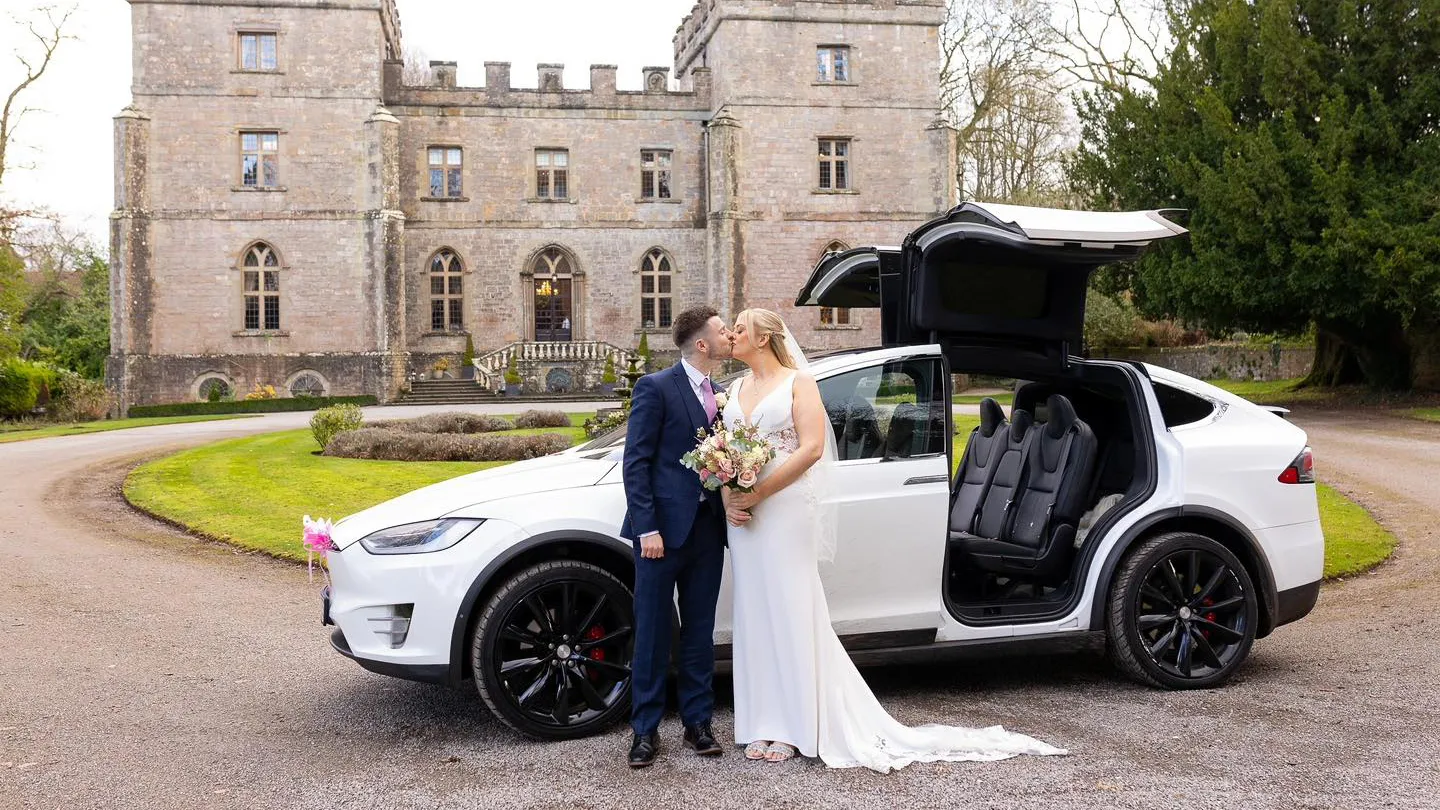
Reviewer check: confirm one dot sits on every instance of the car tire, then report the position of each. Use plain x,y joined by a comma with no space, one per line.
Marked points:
1182,612
551,650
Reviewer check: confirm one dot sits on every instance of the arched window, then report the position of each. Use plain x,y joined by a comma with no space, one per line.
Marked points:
307,384
261,270
446,291
656,304
553,275
212,389
834,316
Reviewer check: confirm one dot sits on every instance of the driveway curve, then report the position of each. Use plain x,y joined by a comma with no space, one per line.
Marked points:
142,668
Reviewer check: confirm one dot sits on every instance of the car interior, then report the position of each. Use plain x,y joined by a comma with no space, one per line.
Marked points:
1024,486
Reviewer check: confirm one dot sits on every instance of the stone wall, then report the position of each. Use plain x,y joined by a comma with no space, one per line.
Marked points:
1227,362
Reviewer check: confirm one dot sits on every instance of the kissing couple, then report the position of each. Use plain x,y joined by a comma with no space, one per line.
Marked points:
796,690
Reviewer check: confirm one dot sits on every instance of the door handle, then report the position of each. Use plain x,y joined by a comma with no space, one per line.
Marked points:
927,479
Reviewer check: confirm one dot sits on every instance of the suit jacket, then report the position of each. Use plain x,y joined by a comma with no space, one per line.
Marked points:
661,494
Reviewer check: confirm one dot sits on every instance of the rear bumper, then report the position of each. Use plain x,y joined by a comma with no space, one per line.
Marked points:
425,673
1296,603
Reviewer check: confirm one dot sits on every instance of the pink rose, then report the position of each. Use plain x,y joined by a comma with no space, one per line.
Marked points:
726,466
747,479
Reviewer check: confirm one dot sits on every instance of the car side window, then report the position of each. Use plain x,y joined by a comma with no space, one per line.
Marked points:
1181,407
894,410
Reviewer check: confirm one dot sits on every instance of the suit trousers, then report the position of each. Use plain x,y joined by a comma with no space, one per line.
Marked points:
693,569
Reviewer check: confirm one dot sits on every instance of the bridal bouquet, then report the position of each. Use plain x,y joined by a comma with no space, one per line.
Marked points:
729,456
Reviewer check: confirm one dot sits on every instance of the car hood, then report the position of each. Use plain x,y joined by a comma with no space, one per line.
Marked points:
547,474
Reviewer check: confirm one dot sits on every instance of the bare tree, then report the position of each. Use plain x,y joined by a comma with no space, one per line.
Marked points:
46,30
417,69
1002,92
1111,45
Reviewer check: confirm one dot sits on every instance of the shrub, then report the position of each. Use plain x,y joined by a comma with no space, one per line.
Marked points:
78,399
644,349
450,422
261,392
214,393
542,419
468,359
1165,334
335,419
607,376
397,445
442,365
42,396
597,424
1111,323
512,372
278,404
20,386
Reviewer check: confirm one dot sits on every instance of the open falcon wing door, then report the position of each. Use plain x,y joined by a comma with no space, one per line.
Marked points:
1002,287
865,277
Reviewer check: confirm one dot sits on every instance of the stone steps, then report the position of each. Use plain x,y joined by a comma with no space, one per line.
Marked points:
466,392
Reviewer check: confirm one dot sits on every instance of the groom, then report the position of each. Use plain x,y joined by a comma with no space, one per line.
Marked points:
678,529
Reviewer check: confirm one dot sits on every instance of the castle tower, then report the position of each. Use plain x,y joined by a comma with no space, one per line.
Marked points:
823,131
256,234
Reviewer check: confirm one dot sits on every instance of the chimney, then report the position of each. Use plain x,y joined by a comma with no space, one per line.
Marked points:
700,81
497,77
602,79
552,77
442,74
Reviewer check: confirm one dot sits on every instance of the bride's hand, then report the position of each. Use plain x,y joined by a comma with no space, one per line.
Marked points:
733,515
742,500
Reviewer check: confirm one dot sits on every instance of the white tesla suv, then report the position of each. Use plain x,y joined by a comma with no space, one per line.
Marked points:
1176,519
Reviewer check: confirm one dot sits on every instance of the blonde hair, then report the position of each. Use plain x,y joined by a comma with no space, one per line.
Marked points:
762,323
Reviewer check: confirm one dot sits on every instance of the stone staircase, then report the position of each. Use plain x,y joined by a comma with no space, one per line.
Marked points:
447,392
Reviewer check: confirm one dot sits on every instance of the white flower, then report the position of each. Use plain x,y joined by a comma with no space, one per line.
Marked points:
720,399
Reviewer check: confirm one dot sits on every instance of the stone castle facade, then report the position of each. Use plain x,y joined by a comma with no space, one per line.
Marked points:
289,212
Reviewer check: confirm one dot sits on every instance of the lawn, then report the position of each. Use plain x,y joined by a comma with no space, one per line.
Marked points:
1427,414
1004,399
1354,542
253,491
20,431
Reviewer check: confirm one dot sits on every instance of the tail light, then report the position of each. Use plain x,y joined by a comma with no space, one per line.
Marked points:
1301,470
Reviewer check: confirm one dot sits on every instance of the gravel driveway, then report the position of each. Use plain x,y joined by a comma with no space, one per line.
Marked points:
140,668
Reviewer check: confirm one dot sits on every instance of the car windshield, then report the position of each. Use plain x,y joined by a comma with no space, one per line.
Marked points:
616,436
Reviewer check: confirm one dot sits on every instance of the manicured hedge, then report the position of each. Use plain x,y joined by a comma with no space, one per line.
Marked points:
276,405
20,384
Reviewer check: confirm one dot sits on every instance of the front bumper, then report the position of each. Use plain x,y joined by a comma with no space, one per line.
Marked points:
368,591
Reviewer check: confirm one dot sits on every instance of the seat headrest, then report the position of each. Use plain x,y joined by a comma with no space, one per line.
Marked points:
992,416
1060,415
1020,422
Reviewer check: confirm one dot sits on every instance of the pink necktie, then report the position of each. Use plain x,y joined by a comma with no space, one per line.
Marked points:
708,398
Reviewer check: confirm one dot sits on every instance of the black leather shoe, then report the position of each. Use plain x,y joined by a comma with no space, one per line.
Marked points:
643,750
700,739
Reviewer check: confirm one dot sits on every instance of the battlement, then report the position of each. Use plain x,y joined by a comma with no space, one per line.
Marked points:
697,27
693,91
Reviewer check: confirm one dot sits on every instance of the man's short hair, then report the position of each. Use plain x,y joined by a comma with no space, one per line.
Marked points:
690,323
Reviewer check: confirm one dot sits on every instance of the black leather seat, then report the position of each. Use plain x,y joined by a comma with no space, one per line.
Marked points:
1027,529
857,433
982,452
914,430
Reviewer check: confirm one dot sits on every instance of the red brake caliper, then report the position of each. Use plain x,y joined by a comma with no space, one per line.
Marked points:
1208,616
595,634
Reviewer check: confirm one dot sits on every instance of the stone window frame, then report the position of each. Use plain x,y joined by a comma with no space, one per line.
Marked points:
642,270
831,47
240,269
260,159
455,301
569,170
325,385
822,159
242,29
669,169
207,375
239,133
836,319
425,174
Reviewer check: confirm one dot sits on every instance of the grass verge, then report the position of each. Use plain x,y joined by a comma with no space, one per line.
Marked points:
1425,414
41,430
251,492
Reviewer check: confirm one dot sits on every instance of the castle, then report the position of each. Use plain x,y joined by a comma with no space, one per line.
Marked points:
289,212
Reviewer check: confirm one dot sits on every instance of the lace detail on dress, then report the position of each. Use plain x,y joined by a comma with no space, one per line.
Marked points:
784,441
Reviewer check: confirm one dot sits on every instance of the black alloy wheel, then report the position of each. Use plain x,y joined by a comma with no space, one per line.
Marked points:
1182,612
552,650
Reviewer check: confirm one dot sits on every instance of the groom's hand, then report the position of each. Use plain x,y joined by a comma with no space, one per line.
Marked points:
652,546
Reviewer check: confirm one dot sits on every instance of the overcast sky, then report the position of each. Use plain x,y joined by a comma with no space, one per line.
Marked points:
63,160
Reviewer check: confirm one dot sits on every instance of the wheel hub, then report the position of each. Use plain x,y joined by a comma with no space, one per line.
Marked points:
1185,613
563,651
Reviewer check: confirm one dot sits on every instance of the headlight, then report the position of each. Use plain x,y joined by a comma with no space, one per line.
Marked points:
419,538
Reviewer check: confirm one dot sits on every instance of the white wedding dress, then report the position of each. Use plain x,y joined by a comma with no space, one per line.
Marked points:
794,682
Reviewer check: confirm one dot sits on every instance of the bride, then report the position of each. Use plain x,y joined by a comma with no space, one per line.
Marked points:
796,690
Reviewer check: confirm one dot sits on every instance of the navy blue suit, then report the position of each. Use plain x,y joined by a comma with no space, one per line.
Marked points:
662,495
